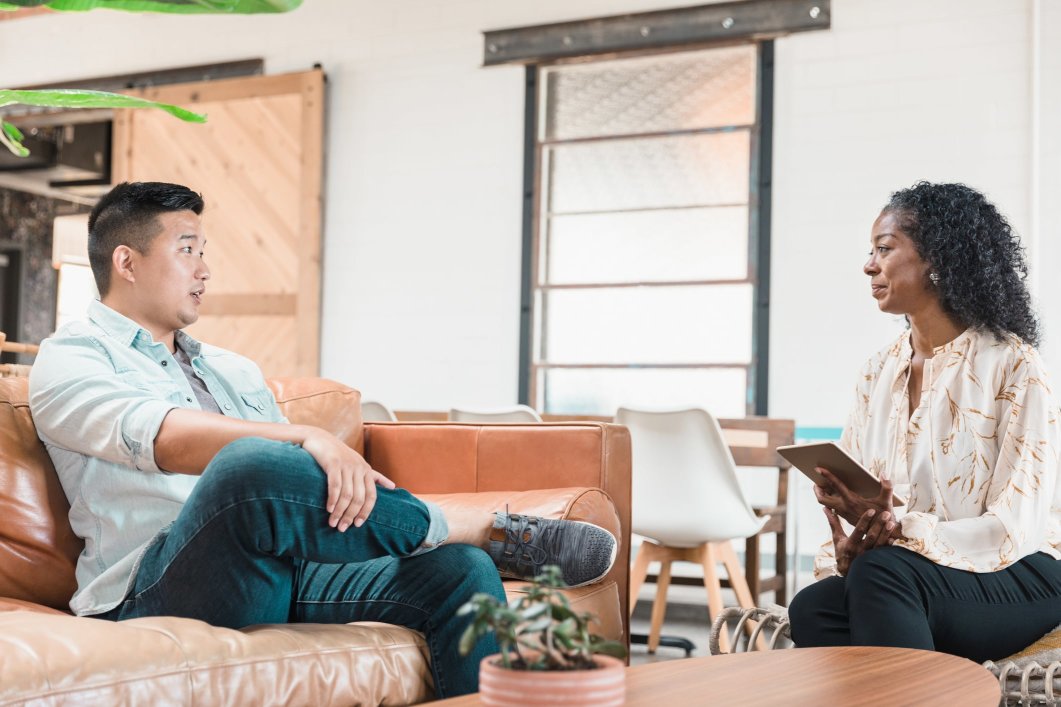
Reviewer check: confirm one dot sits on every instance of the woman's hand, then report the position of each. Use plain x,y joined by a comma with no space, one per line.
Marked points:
872,530
836,496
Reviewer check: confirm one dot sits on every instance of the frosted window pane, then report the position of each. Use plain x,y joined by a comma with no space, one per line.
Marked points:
649,246
645,173
77,290
581,391
682,91
684,324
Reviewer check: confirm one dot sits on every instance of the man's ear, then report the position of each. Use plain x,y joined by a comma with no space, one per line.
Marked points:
123,259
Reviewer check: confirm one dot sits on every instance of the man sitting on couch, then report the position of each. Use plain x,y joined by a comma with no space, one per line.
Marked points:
194,496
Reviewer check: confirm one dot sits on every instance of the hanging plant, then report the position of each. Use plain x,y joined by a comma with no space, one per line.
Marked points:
11,136
236,7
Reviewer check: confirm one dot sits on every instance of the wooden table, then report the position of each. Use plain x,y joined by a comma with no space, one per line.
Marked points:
853,675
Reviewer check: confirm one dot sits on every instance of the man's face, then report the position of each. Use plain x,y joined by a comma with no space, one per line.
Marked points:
171,276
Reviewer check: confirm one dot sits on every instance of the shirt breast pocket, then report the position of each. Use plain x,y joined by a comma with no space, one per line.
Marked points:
258,404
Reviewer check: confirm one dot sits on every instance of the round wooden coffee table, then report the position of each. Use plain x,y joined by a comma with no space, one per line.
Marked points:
854,675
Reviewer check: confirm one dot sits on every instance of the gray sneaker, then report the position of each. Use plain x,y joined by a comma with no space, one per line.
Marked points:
583,551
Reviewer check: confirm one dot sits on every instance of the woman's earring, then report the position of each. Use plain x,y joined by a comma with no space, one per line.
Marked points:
934,278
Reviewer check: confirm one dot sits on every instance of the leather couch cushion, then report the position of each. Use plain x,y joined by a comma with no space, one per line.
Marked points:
38,550
324,403
50,659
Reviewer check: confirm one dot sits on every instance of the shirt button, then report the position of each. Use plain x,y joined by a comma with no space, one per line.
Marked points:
165,363
188,399
227,406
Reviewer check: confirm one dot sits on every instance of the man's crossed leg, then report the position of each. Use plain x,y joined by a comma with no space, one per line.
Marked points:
253,544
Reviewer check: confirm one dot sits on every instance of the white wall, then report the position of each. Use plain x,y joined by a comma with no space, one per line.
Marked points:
1047,166
424,168
896,92
422,223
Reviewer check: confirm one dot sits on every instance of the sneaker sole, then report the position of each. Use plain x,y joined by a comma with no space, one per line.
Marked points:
611,560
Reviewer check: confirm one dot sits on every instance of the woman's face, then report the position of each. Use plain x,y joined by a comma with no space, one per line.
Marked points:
898,276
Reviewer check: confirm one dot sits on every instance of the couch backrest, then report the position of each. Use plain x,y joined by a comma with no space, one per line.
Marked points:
324,403
38,549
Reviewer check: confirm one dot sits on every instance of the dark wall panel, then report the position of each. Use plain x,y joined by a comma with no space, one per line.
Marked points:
26,225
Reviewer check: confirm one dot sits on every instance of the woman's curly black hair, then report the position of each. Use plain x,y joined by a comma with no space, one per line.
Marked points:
975,253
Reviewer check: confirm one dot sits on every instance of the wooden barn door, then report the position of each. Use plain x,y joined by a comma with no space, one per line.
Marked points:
257,163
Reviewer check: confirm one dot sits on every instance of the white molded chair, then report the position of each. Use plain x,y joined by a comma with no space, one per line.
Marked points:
515,413
687,503
372,411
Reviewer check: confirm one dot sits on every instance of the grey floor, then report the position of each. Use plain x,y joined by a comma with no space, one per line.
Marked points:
683,619
686,616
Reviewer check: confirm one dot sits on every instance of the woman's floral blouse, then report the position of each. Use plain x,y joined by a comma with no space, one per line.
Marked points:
977,460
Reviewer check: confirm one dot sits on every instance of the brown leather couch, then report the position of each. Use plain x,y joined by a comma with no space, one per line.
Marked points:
48,657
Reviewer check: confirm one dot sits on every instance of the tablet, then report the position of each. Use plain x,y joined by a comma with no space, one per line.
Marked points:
830,456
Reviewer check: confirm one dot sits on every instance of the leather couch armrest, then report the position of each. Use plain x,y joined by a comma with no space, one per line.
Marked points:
454,458
469,512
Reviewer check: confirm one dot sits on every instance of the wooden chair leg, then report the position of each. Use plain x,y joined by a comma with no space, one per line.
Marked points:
737,582
708,560
736,574
751,566
781,567
640,572
659,606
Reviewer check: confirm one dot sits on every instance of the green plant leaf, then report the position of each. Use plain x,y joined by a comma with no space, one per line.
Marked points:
539,625
468,640
12,131
72,98
186,7
562,612
612,648
11,138
76,98
534,611
566,640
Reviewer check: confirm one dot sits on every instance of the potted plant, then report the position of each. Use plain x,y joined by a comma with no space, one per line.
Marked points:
548,655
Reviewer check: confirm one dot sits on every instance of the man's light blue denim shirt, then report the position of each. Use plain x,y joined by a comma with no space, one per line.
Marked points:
99,391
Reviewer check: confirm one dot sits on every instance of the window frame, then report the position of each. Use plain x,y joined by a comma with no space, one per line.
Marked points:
758,244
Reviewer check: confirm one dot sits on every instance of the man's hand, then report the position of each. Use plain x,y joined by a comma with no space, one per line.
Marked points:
351,481
836,496
189,439
872,530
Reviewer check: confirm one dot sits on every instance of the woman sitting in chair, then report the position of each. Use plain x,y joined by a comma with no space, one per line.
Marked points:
958,417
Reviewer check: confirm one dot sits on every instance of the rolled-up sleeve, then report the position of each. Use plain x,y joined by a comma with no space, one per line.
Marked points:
80,403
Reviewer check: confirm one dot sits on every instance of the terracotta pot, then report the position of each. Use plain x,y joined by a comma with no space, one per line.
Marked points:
501,687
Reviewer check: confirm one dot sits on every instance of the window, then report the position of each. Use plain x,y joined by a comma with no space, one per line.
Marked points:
76,288
644,272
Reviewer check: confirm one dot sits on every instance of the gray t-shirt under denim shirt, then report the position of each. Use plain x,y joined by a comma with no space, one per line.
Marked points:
202,394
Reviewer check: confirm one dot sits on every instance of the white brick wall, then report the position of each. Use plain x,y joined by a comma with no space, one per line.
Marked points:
1048,204
424,169
894,93
424,173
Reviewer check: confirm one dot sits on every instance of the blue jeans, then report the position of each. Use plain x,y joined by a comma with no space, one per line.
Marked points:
252,545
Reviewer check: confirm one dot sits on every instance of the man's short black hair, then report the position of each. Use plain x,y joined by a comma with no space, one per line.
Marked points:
127,215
